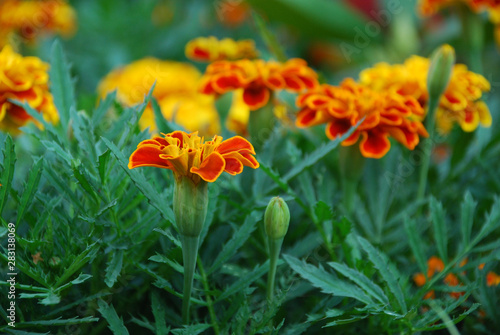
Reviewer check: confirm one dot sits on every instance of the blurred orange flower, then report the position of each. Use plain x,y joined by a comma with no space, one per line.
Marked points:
459,104
386,114
30,18
232,13
210,49
492,279
24,79
187,155
257,79
175,90
435,265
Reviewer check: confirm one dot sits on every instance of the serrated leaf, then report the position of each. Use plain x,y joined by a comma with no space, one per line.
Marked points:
236,241
245,281
103,165
439,225
159,315
53,146
30,189
325,281
362,281
83,179
102,108
467,218
115,323
56,322
154,198
323,211
8,165
161,123
386,272
492,221
269,38
80,260
61,84
191,330
114,268
416,244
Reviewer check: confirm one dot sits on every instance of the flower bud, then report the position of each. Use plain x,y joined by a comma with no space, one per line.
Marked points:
54,261
190,206
277,218
440,70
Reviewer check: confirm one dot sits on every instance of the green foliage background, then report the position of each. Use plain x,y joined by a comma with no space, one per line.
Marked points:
112,258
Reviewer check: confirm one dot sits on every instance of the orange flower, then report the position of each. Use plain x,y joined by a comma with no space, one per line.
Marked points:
188,156
492,279
30,18
24,79
434,265
232,13
460,102
386,114
210,49
258,79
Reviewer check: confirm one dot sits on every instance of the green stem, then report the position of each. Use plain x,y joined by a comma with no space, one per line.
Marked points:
351,168
431,120
261,123
474,37
189,254
274,254
210,306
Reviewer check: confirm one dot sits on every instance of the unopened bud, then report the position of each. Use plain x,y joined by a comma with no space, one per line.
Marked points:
440,70
277,218
54,261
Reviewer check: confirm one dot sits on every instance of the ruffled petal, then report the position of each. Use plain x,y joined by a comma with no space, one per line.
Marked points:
310,117
211,167
256,97
374,144
236,143
148,155
337,127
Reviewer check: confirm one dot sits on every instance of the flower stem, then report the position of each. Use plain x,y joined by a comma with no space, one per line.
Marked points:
210,306
351,168
431,120
261,123
189,255
274,254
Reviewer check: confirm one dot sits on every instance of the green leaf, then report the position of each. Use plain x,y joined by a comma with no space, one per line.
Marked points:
191,330
8,165
83,258
327,282
115,323
439,225
102,108
162,124
236,241
103,165
56,322
316,18
492,222
159,315
416,243
268,37
53,146
467,218
362,281
114,268
246,280
83,179
61,84
30,189
386,271
323,211
154,198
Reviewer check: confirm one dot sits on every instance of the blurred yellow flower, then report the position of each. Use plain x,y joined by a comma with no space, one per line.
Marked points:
24,79
28,19
176,91
460,102
210,49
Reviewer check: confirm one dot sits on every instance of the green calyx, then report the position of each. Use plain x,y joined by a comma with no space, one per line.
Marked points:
190,206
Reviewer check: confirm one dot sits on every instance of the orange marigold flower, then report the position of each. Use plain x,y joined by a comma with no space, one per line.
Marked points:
187,155
30,18
452,280
492,279
176,91
434,264
429,7
257,79
481,266
24,79
386,114
210,49
460,102
232,13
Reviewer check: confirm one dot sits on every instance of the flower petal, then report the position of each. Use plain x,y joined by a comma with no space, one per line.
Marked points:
256,97
337,127
374,144
235,143
148,155
308,117
211,167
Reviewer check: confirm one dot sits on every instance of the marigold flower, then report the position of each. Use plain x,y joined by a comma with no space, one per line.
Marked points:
492,279
435,265
460,102
257,79
30,18
188,156
210,49
386,114
232,13
175,91
24,79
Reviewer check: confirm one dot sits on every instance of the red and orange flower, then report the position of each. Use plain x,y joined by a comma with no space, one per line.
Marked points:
435,265
257,79
187,155
210,49
385,115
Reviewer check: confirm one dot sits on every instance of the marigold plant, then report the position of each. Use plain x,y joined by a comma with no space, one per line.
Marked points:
210,49
24,79
175,90
386,114
461,102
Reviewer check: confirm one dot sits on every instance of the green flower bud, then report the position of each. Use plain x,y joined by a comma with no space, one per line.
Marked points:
190,206
277,218
54,261
440,70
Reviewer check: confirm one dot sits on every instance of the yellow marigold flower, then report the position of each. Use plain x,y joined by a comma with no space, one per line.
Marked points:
210,49
30,18
460,102
385,114
175,89
24,79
